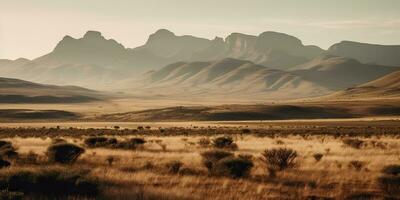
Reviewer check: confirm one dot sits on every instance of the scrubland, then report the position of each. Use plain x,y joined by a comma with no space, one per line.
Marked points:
309,162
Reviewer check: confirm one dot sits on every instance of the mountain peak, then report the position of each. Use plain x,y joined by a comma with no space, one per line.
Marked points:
164,32
93,35
276,38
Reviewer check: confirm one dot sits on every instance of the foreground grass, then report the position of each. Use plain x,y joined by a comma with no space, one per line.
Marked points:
345,169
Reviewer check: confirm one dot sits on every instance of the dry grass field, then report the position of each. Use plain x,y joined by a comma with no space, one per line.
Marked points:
324,162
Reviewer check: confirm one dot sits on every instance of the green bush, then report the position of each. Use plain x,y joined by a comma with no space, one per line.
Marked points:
64,153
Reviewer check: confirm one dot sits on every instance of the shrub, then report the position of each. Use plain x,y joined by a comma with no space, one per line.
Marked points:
234,167
132,143
224,142
7,151
4,163
246,130
318,156
391,170
279,158
353,142
7,195
204,142
94,142
58,140
5,144
30,158
50,183
174,166
110,160
389,184
355,164
211,157
64,153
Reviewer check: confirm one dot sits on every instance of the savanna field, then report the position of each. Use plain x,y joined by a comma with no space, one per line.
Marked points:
202,162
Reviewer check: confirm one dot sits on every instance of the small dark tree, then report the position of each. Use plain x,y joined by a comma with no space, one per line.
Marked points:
64,153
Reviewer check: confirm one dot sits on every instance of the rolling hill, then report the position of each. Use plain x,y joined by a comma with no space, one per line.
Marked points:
228,77
368,53
19,91
384,87
337,73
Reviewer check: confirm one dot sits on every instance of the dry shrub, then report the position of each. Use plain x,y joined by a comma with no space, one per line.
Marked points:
49,183
4,163
57,140
353,142
318,156
224,163
246,130
7,195
174,166
104,142
391,170
94,142
211,157
7,150
64,153
234,167
224,142
110,160
279,158
355,164
30,158
204,142
390,184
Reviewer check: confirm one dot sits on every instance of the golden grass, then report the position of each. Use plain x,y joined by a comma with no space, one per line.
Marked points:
143,174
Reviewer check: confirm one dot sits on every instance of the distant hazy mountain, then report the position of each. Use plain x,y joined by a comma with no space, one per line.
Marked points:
201,65
338,73
368,53
19,91
387,86
271,49
228,77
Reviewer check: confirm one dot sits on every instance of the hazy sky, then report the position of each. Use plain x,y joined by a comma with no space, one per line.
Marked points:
31,28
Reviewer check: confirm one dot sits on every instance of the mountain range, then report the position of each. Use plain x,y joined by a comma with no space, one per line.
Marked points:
271,65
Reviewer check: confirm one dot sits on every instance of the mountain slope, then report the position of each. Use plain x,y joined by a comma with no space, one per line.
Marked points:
368,53
384,87
228,77
337,73
20,91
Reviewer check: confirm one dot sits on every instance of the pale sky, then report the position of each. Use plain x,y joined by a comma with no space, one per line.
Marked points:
31,28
